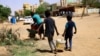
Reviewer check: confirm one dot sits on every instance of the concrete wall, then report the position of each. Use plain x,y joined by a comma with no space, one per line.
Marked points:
79,11
93,10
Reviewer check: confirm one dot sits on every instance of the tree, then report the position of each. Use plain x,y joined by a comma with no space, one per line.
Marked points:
46,4
27,12
41,9
90,3
97,4
87,4
4,12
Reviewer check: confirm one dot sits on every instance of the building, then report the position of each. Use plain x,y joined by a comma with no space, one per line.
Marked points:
20,12
27,6
35,7
65,3
41,1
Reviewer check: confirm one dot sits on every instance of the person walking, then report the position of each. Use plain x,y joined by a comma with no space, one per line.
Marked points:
68,32
50,27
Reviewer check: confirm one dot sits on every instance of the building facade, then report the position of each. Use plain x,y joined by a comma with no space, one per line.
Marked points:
63,2
27,6
67,2
41,1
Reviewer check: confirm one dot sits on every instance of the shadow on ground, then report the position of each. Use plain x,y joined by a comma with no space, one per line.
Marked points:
99,38
43,51
47,51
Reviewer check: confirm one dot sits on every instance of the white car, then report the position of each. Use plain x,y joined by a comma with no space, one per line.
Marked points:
21,19
28,20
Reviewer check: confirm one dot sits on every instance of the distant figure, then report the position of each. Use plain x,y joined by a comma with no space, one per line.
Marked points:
9,18
68,32
50,27
37,22
13,20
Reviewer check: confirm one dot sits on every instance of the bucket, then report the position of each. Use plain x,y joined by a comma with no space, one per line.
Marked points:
60,44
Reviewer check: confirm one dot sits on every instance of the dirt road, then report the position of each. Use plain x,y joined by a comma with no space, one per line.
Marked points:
85,43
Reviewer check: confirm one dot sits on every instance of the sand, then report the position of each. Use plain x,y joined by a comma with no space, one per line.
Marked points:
85,43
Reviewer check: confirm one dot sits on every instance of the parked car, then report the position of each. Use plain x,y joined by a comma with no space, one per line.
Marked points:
28,20
21,19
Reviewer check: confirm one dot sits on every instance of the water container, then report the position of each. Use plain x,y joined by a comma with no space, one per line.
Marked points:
13,20
60,44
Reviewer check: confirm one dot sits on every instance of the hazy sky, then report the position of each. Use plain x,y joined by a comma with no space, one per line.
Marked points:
18,4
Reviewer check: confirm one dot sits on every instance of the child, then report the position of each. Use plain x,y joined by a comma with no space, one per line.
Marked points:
49,30
68,32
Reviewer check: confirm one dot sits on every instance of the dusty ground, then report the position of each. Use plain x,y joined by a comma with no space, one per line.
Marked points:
85,43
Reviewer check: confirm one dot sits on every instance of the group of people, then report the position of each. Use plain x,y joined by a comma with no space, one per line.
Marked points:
50,27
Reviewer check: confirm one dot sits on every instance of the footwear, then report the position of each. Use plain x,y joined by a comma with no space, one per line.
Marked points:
51,51
43,38
70,49
66,49
55,51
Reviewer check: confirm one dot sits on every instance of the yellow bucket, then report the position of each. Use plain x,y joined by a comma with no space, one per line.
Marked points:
60,44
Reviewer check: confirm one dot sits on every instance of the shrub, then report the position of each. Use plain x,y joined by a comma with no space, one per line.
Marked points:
8,36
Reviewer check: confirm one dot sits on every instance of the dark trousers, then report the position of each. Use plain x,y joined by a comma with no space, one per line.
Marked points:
70,41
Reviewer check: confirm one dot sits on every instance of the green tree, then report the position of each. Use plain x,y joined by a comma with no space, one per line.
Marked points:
4,12
41,9
91,3
46,4
97,4
27,12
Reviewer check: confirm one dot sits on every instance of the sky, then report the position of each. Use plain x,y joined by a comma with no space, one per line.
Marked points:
18,4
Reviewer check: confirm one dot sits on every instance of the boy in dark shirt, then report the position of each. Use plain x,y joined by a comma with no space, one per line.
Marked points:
49,31
68,32
50,27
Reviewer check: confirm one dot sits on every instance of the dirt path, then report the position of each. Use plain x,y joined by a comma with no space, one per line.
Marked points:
85,43
4,52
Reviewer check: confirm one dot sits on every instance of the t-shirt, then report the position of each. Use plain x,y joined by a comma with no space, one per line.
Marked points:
49,26
69,26
37,19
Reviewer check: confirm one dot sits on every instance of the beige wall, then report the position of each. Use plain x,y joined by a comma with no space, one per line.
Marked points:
41,1
27,6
